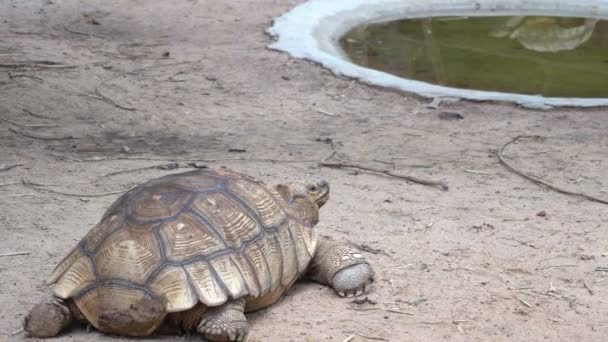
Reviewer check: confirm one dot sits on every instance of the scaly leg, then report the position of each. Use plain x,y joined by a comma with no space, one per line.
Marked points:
225,323
342,268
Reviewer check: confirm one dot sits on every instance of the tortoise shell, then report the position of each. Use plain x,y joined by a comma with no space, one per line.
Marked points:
196,237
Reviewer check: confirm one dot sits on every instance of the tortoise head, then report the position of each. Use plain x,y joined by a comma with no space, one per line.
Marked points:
306,197
315,189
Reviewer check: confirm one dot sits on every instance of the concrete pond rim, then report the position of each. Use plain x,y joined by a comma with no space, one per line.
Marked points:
312,31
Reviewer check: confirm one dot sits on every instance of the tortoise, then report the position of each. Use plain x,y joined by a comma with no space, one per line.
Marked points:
194,251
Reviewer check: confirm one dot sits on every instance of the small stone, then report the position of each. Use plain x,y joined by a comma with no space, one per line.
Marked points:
364,300
450,116
541,213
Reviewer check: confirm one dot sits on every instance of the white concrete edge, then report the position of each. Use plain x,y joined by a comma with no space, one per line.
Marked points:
312,29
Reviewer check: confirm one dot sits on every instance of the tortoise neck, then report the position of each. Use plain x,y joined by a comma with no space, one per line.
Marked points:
305,210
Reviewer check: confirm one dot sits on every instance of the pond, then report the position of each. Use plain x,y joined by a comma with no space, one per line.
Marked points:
551,56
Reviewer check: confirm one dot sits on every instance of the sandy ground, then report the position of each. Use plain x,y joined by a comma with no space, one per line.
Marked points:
494,258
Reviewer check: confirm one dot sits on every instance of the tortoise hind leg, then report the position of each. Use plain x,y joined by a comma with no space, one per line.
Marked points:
342,268
48,318
225,323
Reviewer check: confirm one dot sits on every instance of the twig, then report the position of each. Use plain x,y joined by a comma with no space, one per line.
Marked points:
3,167
364,309
37,79
601,269
38,64
591,292
399,312
477,172
18,195
269,160
26,126
325,112
349,338
9,183
27,111
338,164
17,331
14,253
554,266
524,302
539,180
40,137
371,337
442,185
39,187
81,33
100,96
168,166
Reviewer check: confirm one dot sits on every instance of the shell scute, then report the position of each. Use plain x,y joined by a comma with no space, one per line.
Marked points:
201,236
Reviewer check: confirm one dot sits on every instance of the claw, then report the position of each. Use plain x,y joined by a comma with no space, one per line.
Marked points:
341,294
358,293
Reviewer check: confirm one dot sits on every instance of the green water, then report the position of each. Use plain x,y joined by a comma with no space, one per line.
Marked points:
552,56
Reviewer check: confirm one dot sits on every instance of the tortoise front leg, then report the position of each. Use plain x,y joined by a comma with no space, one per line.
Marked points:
48,318
226,322
342,268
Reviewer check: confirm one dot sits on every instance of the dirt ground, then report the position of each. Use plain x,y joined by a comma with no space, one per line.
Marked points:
143,83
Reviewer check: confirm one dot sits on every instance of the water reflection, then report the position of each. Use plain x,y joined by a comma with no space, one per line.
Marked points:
547,34
553,56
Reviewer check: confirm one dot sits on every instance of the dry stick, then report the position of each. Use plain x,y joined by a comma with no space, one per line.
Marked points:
81,33
524,302
104,98
19,195
27,111
164,167
17,331
6,168
270,160
539,180
321,111
477,172
37,79
371,337
40,137
14,253
100,96
349,338
26,126
38,187
325,162
399,312
442,185
38,64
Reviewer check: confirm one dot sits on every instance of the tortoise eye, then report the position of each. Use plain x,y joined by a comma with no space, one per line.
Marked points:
311,187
